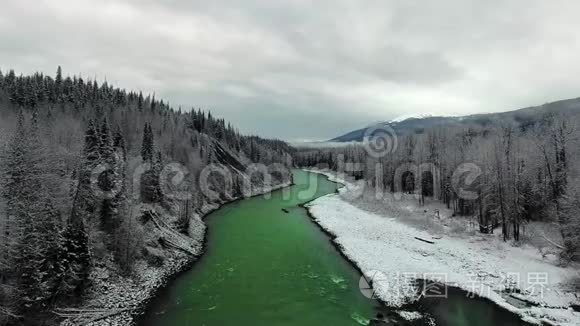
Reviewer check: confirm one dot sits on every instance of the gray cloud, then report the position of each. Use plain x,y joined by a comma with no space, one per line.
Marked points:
307,69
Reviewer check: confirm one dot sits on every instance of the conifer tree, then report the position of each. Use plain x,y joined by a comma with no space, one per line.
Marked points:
76,252
109,179
50,252
147,144
76,259
58,84
150,180
140,102
156,169
58,79
119,143
124,248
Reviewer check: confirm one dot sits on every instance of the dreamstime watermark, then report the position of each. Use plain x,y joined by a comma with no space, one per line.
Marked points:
380,140
406,180
174,181
464,176
173,178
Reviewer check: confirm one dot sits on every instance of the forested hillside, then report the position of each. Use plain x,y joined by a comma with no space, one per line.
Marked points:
96,178
505,174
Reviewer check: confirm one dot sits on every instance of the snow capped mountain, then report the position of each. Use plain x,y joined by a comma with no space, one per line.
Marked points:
401,125
412,116
418,123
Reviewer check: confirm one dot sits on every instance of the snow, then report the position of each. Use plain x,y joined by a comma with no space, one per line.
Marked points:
410,315
332,176
412,116
427,115
112,291
384,241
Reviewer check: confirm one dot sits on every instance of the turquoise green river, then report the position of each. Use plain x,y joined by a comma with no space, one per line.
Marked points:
267,263
263,266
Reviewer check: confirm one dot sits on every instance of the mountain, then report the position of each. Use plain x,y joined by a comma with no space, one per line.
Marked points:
417,124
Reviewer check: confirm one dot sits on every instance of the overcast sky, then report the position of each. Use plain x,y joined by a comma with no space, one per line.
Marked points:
307,69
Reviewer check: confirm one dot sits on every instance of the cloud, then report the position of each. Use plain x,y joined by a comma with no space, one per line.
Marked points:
274,67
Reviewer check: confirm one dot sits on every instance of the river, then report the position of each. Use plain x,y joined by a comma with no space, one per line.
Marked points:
266,266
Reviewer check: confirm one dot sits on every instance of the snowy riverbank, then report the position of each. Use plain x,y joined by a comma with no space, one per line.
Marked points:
125,298
382,238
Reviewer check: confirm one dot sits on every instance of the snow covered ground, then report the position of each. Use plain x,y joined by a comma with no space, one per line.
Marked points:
380,237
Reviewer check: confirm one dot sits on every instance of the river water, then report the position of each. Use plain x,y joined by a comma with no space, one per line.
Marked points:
266,266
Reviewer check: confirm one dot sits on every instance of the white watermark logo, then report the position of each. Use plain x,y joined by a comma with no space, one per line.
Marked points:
414,286
375,279
380,140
